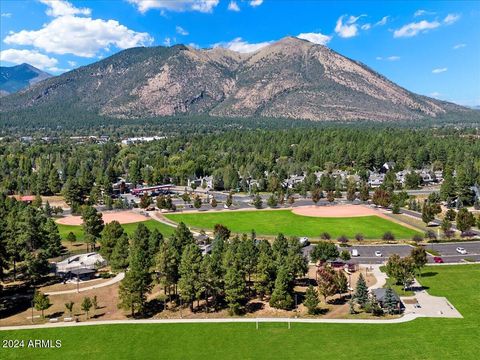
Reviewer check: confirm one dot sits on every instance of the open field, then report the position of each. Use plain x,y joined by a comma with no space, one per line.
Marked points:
272,222
129,228
420,339
123,217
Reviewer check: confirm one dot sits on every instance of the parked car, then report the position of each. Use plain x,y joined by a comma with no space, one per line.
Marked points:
461,250
378,253
438,260
304,241
355,252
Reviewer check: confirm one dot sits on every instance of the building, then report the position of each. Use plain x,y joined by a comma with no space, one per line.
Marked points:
73,264
380,296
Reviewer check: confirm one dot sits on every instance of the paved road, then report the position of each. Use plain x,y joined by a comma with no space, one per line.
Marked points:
112,281
446,250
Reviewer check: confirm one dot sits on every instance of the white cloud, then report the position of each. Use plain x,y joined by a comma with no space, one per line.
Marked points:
233,6
242,46
366,26
393,58
382,21
72,63
316,38
167,41
439,70
435,94
80,36
459,46
32,57
194,45
205,6
55,69
6,15
414,29
451,18
256,3
389,58
349,29
181,31
61,8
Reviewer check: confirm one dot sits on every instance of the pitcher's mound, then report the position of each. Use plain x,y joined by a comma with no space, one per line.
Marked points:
123,217
336,211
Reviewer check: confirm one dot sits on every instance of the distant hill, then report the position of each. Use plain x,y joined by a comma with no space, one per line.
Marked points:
18,77
291,78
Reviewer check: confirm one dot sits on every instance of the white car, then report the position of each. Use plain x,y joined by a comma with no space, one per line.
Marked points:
461,250
378,253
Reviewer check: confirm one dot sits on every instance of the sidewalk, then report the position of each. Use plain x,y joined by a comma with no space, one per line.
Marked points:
112,281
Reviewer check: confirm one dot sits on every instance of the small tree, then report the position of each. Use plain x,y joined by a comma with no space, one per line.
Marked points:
389,302
345,255
316,195
94,304
417,238
213,202
324,251
325,236
419,257
361,292
343,240
257,202
326,280
291,200
69,306
388,236
41,302
229,200
311,300
272,201
359,237
145,201
71,237
197,202
86,305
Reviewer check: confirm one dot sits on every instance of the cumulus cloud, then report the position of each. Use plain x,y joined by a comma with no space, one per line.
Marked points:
233,6
316,38
241,46
459,46
256,3
451,18
347,29
81,36
382,21
181,31
61,8
205,6
32,57
435,94
415,28
439,70
6,15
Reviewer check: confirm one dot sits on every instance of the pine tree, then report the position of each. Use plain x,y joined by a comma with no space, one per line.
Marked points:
53,241
167,263
282,294
234,290
111,234
119,255
265,271
389,302
361,292
86,305
311,300
189,283
92,222
257,202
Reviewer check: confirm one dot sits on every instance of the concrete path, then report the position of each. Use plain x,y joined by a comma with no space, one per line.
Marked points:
429,305
112,281
406,318
380,276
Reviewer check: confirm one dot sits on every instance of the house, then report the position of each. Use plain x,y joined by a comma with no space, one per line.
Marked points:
197,182
376,180
293,180
380,296
91,261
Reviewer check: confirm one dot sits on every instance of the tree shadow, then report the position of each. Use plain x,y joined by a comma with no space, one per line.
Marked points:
254,307
55,315
428,274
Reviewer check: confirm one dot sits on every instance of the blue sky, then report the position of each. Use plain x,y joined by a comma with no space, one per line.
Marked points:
429,47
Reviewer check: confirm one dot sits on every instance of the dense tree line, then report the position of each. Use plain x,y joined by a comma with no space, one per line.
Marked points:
86,171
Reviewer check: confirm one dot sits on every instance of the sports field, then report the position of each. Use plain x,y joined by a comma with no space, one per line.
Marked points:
432,338
290,224
129,228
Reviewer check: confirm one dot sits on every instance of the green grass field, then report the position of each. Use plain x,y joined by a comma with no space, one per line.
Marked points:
419,339
129,228
290,224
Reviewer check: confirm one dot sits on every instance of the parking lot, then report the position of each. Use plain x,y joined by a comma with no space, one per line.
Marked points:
447,252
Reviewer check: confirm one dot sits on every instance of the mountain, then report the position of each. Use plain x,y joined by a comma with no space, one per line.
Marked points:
18,77
291,78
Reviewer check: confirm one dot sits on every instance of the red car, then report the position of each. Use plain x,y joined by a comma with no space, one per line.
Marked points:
438,260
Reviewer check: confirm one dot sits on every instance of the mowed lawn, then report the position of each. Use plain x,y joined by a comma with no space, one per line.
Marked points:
433,338
288,223
129,228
